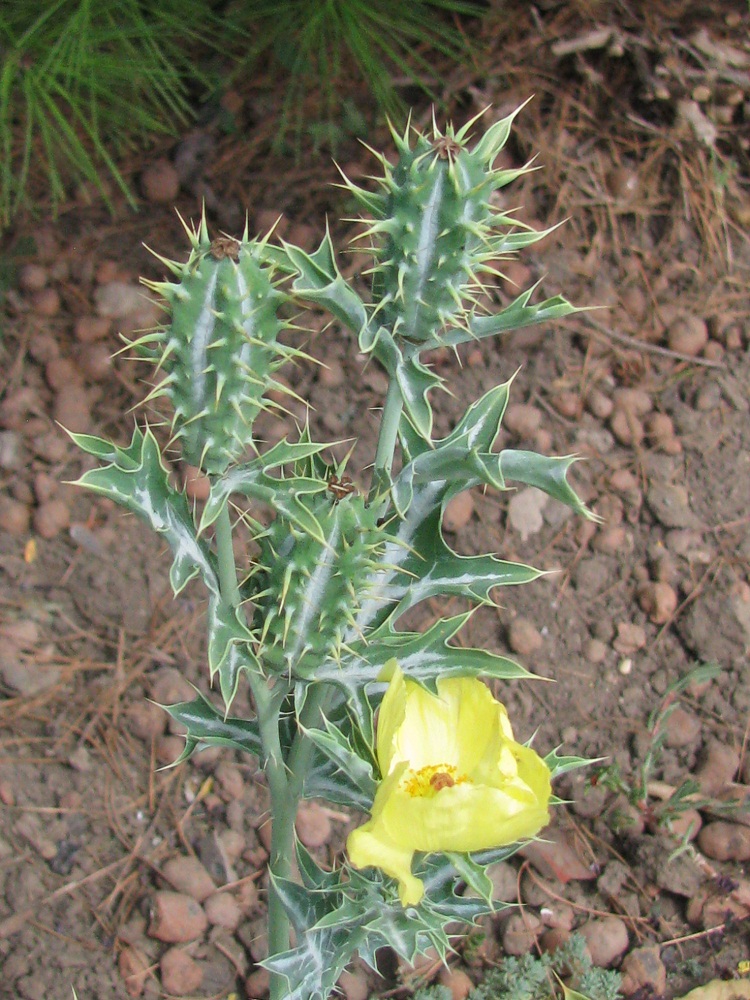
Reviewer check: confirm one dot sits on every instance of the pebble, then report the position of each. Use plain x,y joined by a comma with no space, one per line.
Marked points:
522,419
611,540
229,780
71,408
660,430
523,637
525,511
663,565
181,975
265,833
543,441
46,302
643,970
16,671
554,857
223,910
354,984
521,932
133,966
458,511
630,638
552,939
708,398
688,543
11,446
659,601
456,980
213,855
626,427
120,299
160,182
681,728
43,346
687,824
169,686
146,720
600,405
176,917
516,275
718,768
709,908
687,335
669,503
635,401
196,484
725,841
313,824
595,651
232,843
257,984
331,374
15,517
95,361
187,875
607,939
504,881
60,372
89,329
32,277
168,749
51,518
634,301
567,404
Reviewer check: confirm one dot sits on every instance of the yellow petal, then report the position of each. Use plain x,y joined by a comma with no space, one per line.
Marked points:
454,779
366,849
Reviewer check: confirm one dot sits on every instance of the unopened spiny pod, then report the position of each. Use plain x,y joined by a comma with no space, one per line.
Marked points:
307,590
435,229
221,348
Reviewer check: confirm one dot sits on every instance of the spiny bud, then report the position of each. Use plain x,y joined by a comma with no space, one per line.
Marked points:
221,349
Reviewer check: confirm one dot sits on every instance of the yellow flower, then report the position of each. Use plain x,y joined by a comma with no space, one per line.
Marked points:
454,779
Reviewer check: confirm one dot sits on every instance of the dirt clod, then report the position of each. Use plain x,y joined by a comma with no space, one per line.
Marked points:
223,910
521,932
522,419
176,918
607,939
524,637
187,875
160,182
643,969
51,518
458,511
659,600
181,975
725,841
134,969
687,335
457,981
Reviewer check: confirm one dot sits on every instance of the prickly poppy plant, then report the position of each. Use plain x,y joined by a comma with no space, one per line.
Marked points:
399,726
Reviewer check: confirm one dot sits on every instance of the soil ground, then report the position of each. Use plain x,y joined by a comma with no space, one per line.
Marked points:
651,173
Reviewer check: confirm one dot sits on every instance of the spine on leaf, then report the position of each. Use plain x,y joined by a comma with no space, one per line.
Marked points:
221,349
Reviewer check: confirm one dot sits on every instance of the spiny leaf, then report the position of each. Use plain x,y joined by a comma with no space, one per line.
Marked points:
137,480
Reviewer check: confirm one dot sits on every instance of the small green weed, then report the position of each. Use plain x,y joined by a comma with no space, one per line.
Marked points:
536,978
638,791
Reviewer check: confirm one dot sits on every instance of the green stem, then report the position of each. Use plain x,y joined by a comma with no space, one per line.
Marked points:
286,784
387,438
283,814
225,553
283,797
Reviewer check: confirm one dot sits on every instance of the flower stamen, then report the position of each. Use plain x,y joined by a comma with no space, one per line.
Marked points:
429,780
